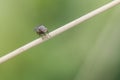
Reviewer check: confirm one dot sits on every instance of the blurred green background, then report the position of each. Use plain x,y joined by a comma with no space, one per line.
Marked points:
90,51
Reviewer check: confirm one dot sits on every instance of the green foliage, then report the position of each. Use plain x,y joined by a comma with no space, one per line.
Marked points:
89,51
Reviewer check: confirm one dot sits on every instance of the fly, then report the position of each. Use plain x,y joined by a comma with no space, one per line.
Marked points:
41,31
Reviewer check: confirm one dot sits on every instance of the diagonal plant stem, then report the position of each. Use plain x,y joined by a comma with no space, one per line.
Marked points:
58,31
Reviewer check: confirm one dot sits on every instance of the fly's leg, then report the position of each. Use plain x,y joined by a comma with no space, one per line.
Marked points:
45,36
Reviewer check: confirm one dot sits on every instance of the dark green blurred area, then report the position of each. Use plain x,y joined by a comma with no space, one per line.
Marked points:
90,51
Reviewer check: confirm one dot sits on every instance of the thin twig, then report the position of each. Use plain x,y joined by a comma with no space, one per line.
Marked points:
58,31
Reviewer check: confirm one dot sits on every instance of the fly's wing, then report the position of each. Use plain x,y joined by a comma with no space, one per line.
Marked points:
37,29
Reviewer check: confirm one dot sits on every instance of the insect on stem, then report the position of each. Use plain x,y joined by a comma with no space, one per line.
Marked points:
42,31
